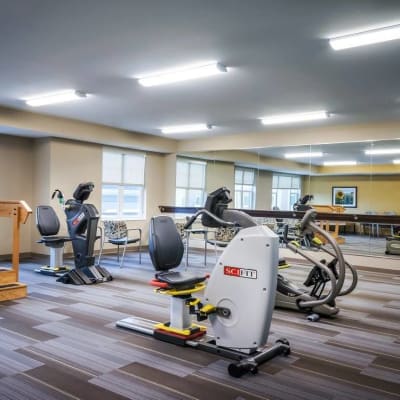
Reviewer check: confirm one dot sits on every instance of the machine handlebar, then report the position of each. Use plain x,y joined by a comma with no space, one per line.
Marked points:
309,216
308,223
220,221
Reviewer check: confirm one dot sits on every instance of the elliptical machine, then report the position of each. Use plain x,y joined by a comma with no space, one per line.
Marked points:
393,242
315,302
82,221
239,295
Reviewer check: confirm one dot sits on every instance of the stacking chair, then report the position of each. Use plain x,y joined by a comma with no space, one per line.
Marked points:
390,226
221,237
373,227
118,234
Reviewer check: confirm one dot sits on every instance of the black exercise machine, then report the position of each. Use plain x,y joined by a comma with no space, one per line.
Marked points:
82,222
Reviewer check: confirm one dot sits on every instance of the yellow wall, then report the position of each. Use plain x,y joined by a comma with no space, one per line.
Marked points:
374,193
264,190
155,182
41,185
16,165
220,174
169,174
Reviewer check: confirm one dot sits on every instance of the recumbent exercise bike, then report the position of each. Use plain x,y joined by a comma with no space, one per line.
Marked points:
239,294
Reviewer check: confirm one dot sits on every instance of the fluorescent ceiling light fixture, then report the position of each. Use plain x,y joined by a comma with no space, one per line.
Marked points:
365,38
377,152
396,161
304,155
183,74
297,117
185,128
55,97
338,163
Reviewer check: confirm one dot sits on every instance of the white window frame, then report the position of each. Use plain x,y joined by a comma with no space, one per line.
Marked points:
294,191
188,187
123,184
241,188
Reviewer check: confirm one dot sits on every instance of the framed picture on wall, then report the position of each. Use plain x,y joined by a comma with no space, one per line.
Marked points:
345,196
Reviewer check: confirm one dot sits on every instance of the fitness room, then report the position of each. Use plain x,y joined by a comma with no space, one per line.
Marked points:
200,200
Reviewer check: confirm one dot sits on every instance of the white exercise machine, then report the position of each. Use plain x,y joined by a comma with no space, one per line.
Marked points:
238,297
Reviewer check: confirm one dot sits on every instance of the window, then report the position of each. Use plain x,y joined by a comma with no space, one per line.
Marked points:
190,183
123,192
245,188
286,190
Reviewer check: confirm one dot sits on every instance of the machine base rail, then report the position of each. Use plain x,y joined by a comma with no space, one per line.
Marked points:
246,363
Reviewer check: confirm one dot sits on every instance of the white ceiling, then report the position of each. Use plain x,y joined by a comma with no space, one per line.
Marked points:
277,53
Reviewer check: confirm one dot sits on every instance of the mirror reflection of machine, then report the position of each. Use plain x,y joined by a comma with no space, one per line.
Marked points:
314,299
393,242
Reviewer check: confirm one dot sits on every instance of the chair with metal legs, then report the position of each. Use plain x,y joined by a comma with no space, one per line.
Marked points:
221,238
118,234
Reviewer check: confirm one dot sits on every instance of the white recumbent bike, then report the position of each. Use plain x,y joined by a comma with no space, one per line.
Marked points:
239,295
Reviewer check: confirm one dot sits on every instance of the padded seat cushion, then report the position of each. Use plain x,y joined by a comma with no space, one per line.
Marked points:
122,241
179,280
54,241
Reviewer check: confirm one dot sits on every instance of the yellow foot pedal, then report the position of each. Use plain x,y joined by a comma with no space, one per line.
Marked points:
177,336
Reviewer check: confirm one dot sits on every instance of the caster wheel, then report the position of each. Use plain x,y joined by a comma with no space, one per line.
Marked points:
284,341
313,317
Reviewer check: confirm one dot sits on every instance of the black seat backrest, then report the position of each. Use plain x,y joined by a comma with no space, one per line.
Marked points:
47,221
165,243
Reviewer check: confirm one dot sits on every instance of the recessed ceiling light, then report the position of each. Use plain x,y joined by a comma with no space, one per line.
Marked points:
54,97
365,38
297,117
382,152
338,163
304,155
183,74
185,128
396,161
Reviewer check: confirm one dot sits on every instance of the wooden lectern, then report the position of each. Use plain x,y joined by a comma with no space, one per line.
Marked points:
10,288
325,225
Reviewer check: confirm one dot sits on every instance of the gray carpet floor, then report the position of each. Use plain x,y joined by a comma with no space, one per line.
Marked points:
61,342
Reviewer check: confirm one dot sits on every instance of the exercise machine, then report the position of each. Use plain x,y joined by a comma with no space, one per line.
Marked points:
238,297
393,243
48,225
302,204
316,301
82,222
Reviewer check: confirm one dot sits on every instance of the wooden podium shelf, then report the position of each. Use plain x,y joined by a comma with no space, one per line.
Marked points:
326,224
10,287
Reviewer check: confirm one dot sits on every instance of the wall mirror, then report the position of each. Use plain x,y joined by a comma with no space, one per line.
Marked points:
353,177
